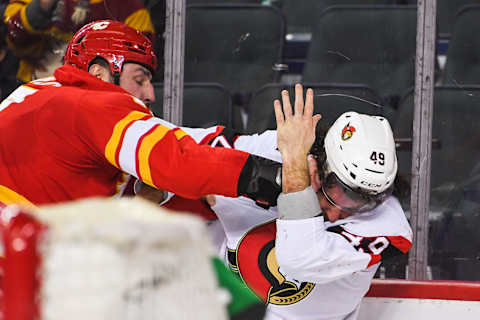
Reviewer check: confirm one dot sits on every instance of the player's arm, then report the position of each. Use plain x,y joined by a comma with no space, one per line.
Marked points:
261,144
165,156
305,250
264,144
309,251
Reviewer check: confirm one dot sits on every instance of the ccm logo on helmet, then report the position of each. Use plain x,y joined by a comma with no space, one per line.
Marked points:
370,185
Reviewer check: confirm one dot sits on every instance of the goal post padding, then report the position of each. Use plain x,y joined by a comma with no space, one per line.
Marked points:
108,259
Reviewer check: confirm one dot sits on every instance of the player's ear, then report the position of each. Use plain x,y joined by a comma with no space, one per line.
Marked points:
100,72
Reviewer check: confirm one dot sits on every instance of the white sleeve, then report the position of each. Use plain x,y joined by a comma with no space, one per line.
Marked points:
354,314
199,134
307,252
264,144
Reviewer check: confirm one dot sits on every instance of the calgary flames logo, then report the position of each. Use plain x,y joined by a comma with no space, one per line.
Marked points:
255,262
347,132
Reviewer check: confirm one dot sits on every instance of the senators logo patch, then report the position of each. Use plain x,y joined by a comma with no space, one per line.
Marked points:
255,262
347,132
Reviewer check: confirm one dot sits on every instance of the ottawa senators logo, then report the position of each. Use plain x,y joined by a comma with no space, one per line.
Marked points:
255,262
347,132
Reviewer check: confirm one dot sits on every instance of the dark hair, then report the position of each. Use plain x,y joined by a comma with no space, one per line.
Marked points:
401,185
318,148
104,64
100,61
3,34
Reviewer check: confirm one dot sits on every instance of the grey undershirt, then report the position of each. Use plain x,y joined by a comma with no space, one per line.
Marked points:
298,205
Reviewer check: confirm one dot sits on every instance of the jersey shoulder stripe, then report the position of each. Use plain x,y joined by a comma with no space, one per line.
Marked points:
112,147
8,196
378,247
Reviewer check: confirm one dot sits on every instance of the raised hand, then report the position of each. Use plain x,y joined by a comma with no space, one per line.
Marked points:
295,136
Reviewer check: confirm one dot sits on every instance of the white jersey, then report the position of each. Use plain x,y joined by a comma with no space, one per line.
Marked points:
329,266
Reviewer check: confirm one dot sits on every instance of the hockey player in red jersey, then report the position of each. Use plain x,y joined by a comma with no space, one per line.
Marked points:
314,256
87,129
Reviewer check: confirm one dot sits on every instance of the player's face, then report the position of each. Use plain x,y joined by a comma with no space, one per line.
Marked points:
327,203
137,80
331,211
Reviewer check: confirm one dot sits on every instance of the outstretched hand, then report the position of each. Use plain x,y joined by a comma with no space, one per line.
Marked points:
295,131
295,136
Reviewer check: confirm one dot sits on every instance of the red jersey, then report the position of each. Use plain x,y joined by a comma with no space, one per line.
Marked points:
74,136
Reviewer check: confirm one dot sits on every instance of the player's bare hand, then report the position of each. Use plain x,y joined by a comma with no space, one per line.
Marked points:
151,194
295,130
210,199
295,136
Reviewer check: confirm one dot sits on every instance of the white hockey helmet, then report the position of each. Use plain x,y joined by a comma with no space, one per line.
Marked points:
360,151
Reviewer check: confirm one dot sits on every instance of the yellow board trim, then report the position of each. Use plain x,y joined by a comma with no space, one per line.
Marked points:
113,142
144,151
8,196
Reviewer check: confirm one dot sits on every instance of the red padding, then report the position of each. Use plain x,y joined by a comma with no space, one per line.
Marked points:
433,289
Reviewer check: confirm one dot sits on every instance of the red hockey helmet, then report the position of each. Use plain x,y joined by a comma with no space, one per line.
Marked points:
113,41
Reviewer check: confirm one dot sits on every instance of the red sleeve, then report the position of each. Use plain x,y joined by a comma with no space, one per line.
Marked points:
195,206
120,129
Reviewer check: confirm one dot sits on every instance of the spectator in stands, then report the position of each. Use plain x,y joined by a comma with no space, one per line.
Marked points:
39,30
83,132
8,62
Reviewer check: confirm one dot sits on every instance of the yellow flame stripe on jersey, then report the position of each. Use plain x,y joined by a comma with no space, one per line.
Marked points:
8,196
146,146
114,141
144,151
180,134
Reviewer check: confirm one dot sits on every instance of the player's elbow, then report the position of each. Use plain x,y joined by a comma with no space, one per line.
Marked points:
294,264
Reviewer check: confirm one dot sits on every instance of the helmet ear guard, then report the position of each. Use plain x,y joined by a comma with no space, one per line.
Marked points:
112,41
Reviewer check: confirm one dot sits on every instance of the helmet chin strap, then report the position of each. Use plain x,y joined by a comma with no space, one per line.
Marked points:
116,78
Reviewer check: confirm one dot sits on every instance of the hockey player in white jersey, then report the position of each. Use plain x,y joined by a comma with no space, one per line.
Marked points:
338,217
